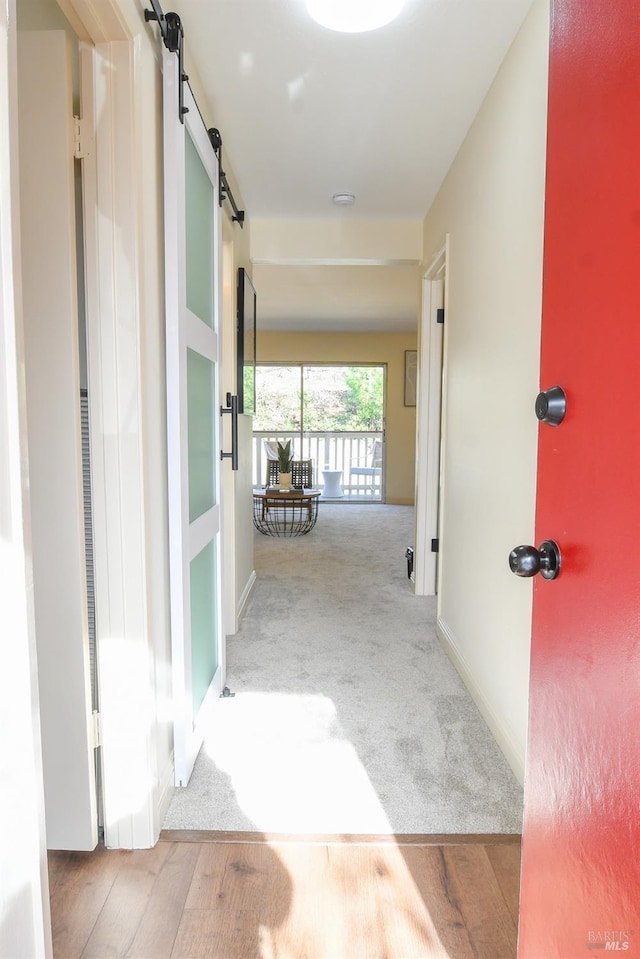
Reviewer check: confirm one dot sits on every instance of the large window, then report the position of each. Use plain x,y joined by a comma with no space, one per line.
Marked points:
320,398
333,414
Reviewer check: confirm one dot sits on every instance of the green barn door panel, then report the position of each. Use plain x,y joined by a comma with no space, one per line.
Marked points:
192,245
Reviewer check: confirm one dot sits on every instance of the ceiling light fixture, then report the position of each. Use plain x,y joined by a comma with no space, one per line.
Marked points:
353,16
344,199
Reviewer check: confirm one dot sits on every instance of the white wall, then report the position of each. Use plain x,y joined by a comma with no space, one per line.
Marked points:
491,204
24,914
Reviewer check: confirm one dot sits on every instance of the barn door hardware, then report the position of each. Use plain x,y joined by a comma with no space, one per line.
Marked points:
173,39
225,189
232,408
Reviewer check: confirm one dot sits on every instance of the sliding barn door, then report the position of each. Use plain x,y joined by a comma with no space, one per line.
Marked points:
192,261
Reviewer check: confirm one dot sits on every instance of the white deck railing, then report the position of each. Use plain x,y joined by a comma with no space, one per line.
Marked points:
336,451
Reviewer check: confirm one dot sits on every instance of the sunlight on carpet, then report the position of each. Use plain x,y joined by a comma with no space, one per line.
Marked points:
291,767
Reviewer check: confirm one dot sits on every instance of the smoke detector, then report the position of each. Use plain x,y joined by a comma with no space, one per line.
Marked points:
344,199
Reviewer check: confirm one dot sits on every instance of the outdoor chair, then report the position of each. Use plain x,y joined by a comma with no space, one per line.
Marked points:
301,473
301,470
373,470
271,449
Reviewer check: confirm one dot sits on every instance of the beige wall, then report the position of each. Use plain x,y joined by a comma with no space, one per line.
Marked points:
347,348
243,532
491,204
337,239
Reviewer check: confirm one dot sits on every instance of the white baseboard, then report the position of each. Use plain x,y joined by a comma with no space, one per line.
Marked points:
246,593
165,789
498,729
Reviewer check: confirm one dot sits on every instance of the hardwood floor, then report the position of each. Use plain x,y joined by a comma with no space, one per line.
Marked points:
249,896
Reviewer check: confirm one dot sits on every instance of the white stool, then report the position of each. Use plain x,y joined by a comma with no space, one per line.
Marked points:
332,480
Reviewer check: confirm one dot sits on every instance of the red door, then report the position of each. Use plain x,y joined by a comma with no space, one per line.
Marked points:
581,847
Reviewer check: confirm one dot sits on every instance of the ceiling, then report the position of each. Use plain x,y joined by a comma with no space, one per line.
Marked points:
306,112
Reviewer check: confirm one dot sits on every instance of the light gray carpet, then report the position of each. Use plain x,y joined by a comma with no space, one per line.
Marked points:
348,716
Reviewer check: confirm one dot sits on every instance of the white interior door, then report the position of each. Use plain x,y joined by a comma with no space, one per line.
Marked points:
193,280
48,233
429,429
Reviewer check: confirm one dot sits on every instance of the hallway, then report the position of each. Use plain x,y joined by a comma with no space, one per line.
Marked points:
348,717
348,803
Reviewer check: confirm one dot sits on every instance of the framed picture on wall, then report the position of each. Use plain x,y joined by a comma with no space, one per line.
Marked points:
246,348
410,377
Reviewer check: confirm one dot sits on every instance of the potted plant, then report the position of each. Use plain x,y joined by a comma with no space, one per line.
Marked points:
284,463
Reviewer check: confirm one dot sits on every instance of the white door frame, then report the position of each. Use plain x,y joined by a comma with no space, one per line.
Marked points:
24,889
132,784
50,301
428,424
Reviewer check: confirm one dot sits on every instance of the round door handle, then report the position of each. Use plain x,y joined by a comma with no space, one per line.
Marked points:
551,406
528,561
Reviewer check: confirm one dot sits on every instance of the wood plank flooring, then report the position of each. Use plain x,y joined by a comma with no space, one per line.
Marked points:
250,896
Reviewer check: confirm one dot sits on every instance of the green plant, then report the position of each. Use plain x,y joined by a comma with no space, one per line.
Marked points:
284,456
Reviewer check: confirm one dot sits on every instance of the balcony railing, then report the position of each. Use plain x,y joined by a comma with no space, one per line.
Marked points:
335,451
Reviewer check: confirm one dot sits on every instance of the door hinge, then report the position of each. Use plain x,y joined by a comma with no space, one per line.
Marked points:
97,729
435,545
81,139
440,314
